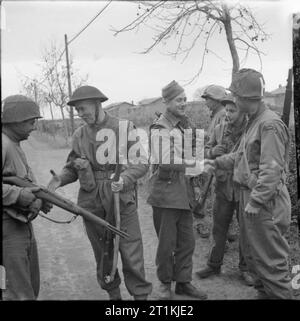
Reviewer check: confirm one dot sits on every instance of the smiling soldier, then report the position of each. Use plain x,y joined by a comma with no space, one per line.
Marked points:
170,197
96,194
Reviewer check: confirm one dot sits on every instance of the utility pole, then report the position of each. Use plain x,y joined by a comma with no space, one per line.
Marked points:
69,84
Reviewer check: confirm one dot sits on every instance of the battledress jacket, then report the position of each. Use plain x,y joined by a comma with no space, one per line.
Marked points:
86,144
169,187
227,135
14,163
261,161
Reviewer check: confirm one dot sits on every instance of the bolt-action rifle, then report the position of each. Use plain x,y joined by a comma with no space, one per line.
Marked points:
63,203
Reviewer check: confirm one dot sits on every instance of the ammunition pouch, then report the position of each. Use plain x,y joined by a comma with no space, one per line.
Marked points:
85,174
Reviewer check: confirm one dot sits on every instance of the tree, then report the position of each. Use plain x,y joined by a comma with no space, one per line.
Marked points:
54,72
32,90
191,21
52,85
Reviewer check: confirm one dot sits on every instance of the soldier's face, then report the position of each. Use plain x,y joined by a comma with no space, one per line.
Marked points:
247,106
177,105
86,110
24,128
211,104
232,113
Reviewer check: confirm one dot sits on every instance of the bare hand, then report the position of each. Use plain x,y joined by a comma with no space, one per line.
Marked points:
117,186
26,196
35,206
54,183
46,207
218,150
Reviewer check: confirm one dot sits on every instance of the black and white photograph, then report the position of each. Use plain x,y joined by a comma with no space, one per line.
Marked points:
150,152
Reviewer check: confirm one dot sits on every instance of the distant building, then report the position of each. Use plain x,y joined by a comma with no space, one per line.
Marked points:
275,98
122,109
275,101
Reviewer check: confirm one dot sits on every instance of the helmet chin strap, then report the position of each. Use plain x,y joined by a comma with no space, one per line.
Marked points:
96,112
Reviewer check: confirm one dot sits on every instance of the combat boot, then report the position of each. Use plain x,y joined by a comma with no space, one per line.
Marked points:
189,290
115,294
164,291
208,271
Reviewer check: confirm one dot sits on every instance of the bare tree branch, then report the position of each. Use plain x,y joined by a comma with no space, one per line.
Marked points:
188,21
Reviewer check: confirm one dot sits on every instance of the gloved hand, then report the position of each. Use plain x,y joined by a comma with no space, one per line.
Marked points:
218,150
54,183
26,196
251,212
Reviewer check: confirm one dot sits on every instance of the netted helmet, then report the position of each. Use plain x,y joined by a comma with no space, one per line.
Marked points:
214,92
86,92
18,108
248,83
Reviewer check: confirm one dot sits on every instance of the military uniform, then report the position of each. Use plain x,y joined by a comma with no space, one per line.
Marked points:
226,196
171,195
19,248
99,201
259,170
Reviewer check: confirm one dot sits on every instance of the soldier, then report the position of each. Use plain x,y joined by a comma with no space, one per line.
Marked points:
170,197
224,139
20,206
95,193
260,165
213,95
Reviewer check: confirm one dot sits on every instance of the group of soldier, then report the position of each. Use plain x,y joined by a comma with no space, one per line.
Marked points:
246,153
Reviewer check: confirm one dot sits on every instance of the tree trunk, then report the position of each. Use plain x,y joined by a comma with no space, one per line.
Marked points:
51,111
64,123
230,41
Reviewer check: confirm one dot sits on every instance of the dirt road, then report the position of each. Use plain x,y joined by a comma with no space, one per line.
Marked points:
66,259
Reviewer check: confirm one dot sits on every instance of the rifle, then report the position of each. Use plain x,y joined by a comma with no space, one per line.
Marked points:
118,225
201,200
287,99
63,203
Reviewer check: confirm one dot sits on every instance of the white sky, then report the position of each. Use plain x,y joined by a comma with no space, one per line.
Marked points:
113,64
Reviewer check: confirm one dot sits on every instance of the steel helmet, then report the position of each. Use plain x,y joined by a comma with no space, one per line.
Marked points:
17,108
248,83
86,92
228,99
214,92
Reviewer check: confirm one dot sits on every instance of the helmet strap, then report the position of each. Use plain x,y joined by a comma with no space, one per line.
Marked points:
96,111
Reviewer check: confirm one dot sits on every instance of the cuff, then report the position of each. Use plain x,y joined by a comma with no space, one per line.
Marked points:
127,181
253,203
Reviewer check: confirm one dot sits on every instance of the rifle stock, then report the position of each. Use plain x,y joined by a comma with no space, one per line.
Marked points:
63,203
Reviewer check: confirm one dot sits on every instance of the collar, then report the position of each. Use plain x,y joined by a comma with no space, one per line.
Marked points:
102,123
260,110
171,118
217,111
11,134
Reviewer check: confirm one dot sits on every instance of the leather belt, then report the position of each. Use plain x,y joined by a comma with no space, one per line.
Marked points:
99,175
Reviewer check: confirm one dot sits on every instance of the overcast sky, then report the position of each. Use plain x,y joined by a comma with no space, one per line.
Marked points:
113,63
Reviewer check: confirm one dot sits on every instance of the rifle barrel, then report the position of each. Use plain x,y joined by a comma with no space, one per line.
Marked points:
63,203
